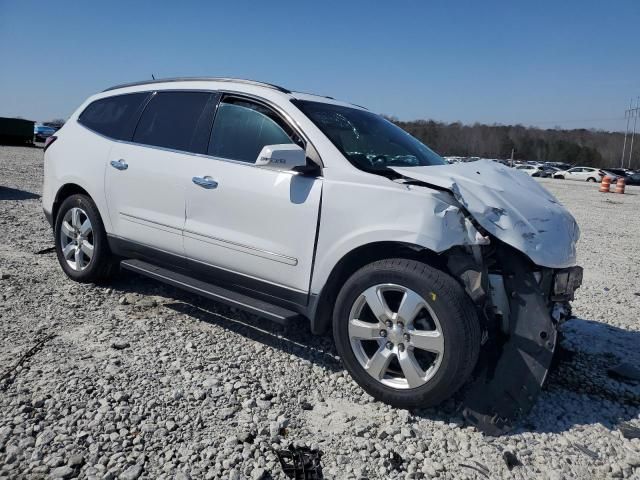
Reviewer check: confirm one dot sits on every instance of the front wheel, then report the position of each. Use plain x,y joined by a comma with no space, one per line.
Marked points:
591,179
81,241
407,333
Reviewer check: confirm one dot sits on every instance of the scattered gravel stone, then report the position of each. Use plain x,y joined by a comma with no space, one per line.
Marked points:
45,438
146,381
120,344
62,472
131,473
75,460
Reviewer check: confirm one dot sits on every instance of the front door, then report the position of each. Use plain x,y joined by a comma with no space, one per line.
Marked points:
251,226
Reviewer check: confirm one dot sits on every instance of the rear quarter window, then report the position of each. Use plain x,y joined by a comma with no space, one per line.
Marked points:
114,117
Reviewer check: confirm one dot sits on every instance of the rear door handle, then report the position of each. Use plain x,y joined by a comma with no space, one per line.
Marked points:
119,164
205,182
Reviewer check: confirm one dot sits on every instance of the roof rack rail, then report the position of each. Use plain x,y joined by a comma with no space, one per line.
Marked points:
199,79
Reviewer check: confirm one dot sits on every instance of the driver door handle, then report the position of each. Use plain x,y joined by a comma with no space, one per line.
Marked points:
119,164
205,182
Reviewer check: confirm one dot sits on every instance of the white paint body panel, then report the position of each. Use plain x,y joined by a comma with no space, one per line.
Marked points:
146,201
257,222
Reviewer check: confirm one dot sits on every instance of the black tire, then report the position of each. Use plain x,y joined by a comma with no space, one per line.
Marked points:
559,177
591,179
102,264
455,311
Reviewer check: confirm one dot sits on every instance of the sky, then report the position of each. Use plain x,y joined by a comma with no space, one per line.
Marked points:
572,64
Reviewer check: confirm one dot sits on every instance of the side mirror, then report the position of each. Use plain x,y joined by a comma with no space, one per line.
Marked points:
281,157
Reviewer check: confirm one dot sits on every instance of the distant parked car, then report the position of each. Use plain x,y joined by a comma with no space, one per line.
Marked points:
42,132
587,174
530,170
617,172
545,171
633,179
559,165
549,171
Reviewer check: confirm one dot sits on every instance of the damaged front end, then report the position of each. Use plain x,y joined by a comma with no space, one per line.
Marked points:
521,279
522,306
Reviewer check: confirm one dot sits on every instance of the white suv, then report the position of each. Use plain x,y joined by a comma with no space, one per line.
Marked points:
295,206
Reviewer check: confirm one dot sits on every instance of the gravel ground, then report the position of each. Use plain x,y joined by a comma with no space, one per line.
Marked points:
139,380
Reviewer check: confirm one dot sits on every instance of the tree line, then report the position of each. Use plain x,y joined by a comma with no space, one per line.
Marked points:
595,148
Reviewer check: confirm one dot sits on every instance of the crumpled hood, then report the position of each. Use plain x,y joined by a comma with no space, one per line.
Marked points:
510,205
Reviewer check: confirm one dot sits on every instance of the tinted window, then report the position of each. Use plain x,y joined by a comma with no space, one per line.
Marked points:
114,116
241,129
177,120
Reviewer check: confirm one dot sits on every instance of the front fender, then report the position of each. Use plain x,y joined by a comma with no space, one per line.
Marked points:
409,215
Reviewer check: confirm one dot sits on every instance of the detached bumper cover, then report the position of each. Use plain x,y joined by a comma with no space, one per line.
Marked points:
511,374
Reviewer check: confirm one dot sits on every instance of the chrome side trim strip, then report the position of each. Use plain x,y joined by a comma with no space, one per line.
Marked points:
276,257
212,265
143,221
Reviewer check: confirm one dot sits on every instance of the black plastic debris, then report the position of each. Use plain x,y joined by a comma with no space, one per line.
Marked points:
511,460
511,371
395,461
628,431
585,450
304,405
625,372
44,251
300,463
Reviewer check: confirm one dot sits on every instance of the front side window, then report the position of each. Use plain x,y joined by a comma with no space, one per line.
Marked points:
367,140
114,117
177,120
242,128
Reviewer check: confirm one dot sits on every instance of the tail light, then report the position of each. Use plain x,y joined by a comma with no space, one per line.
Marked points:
49,141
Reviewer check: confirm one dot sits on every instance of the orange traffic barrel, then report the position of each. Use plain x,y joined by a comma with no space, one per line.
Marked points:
620,184
605,185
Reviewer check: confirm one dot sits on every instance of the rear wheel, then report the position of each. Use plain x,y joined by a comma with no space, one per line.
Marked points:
81,241
591,179
406,332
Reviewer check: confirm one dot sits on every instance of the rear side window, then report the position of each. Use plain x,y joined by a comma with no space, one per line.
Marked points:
242,128
114,117
177,120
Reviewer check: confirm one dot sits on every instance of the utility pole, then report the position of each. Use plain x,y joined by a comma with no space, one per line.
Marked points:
635,111
627,114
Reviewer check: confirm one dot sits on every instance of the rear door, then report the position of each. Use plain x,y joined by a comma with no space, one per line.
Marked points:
575,173
252,227
144,188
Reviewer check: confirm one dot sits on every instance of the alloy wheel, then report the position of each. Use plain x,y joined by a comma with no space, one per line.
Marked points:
395,336
76,239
